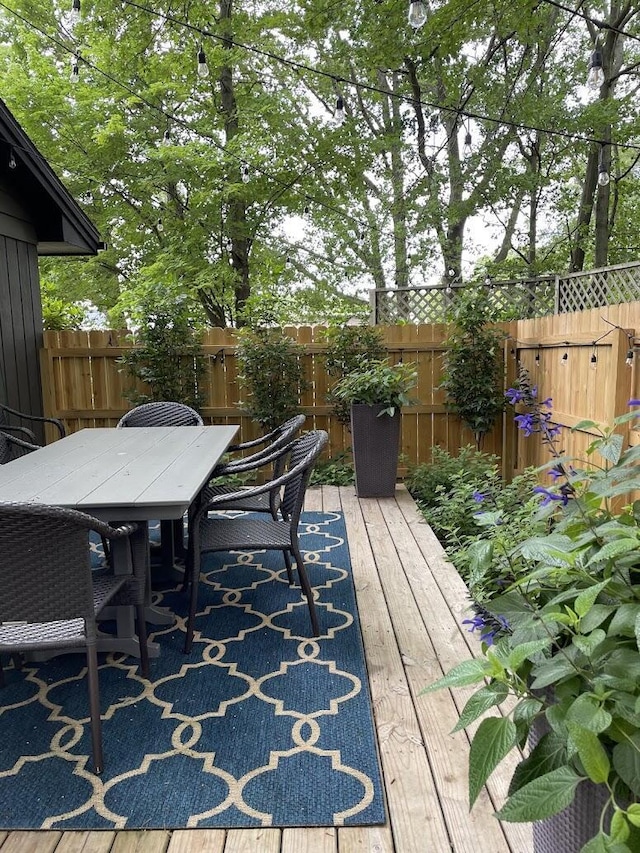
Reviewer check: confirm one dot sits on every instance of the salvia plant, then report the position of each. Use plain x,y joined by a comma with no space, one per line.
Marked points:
560,636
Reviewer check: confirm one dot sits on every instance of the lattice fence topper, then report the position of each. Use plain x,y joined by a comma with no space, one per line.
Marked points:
516,299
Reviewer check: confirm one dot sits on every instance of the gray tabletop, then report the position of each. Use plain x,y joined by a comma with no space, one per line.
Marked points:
119,474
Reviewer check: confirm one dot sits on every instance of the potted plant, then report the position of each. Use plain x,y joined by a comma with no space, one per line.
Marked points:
560,632
376,394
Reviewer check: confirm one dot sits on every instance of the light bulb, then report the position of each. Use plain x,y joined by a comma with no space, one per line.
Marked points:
564,359
417,13
245,174
340,114
166,138
537,359
467,144
593,361
159,226
74,14
603,177
203,68
287,262
595,77
629,359
75,71
12,160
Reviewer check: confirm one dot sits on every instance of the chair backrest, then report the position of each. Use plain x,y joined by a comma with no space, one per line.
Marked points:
283,436
45,571
11,447
304,453
161,414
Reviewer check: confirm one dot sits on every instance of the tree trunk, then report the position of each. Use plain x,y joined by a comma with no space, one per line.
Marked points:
237,207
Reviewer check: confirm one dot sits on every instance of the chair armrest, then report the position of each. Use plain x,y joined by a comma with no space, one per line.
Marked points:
251,463
14,441
55,421
27,433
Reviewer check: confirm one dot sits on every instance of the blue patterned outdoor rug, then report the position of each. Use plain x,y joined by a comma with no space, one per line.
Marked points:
258,726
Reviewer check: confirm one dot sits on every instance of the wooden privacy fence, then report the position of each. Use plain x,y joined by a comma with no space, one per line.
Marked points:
85,386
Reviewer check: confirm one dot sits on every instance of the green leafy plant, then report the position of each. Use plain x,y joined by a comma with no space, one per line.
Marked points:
337,471
424,479
168,357
379,383
473,366
348,349
272,373
560,637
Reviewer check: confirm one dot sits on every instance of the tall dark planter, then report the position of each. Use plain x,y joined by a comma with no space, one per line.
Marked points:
375,443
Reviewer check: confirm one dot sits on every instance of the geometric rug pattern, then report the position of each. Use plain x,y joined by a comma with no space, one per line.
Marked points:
261,725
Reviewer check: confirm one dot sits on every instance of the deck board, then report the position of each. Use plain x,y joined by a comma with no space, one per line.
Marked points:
411,603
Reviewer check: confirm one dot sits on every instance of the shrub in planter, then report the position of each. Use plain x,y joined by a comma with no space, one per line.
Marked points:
376,395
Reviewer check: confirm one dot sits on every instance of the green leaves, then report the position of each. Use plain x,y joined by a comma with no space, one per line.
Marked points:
487,697
467,672
494,738
542,797
626,761
592,753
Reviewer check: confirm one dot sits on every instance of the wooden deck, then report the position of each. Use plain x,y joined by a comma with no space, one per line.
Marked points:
411,603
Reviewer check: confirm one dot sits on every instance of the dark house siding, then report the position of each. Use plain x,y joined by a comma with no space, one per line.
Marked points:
38,216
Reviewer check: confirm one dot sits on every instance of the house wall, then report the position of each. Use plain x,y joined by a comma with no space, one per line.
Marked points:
20,310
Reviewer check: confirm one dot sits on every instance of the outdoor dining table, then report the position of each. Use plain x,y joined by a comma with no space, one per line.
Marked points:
121,475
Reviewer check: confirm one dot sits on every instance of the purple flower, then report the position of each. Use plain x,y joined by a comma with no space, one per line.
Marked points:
526,423
478,497
563,496
514,395
556,472
633,403
488,629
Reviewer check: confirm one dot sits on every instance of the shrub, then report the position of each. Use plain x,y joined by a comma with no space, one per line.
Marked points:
272,373
337,471
350,348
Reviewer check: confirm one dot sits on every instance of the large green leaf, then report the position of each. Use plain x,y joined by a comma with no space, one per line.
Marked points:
551,671
610,447
626,762
586,599
494,738
613,549
481,701
467,672
587,713
591,751
548,754
543,797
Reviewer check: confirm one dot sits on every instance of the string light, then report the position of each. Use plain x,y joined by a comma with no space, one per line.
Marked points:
340,115
13,163
593,361
564,359
595,77
537,357
203,68
74,14
75,70
603,172
417,13
159,226
166,139
245,173
629,358
467,143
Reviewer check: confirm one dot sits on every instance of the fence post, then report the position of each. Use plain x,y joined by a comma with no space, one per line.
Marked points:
617,389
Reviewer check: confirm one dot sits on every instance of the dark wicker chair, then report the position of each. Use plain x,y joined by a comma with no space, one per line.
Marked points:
50,597
245,533
22,431
270,455
161,414
11,447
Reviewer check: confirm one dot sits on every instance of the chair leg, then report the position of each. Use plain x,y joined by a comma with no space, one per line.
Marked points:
287,561
193,602
306,587
94,707
142,640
